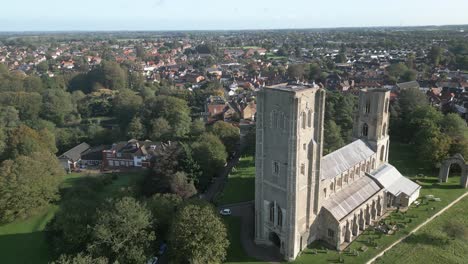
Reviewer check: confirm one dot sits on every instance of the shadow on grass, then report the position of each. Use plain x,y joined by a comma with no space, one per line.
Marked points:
426,239
24,248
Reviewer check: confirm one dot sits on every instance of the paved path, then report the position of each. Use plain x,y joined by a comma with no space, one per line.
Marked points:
220,181
246,212
417,228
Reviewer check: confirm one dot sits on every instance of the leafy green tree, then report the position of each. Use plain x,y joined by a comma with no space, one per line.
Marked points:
42,67
435,55
126,106
198,235
181,185
210,153
409,75
9,117
332,137
160,129
123,232
314,71
28,183
164,207
32,84
57,106
433,146
296,71
110,75
28,104
410,99
24,141
174,110
229,135
197,128
81,258
135,129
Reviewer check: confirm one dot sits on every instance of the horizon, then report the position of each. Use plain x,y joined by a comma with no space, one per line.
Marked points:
211,15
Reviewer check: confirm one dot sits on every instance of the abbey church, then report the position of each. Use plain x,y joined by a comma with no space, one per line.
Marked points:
302,196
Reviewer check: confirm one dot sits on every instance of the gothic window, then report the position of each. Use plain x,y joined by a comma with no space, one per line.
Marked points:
384,130
373,163
331,186
276,168
386,105
340,182
309,119
346,178
325,192
302,169
272,212
304,146
367,107
331,233
280,216
382,153
365,130
304,120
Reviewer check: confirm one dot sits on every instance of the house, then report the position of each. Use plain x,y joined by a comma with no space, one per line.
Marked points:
214,108
132,153
71,158
93,156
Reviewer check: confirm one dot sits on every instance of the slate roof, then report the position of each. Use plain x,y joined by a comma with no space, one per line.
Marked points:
75,153
392,180
344,158
352,196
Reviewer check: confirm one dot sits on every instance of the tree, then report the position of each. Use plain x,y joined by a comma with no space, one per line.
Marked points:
197,128
435,55
123,232
332,137
28,183
432,145
160,130
28,104
110,75
410,99
135,129
210,153
126,105
164,208
57,106
174,110
314,72
81,258
42,67
229,135
198,236
9,117
296,71
24,140
409,75
182,186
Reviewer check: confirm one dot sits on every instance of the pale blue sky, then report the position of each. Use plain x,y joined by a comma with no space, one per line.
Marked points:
30,15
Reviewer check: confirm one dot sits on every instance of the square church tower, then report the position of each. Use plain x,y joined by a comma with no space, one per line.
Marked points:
288,155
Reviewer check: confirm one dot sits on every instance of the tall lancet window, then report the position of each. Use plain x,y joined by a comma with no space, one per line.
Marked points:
367,107
365,130
384,130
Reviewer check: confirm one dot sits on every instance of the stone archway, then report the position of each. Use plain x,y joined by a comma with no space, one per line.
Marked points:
445,169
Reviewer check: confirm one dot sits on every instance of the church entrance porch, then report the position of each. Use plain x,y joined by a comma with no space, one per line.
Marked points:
274,239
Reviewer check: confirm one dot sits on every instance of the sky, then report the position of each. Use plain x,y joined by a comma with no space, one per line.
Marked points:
91,15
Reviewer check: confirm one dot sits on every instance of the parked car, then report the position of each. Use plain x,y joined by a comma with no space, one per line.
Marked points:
153,260
225,211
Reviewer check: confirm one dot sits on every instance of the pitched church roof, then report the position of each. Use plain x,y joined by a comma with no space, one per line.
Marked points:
349,198
344,158
392,180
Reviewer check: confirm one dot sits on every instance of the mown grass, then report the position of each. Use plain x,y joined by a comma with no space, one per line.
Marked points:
240,186
431,244
406,160
24,241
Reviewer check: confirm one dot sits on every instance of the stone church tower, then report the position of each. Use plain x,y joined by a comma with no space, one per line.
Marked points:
372,120
288,156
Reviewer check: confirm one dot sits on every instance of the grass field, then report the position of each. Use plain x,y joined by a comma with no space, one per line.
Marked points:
24,241
241,183
431,244
406,160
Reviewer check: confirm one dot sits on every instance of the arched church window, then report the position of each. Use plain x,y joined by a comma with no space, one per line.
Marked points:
302,168
304,120
280,216
276,168
309,119
331,186
365,130
367,107
272,212
382,153
386,105
324,192
384,129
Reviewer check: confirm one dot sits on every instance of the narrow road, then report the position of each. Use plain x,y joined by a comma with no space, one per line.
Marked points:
218,185
417,228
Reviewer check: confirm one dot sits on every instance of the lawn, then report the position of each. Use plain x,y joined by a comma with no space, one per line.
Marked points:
24,241
240,186
431,244
371,242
